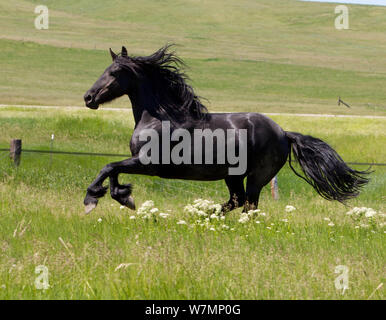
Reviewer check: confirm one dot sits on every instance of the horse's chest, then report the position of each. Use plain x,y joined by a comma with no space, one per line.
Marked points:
135,143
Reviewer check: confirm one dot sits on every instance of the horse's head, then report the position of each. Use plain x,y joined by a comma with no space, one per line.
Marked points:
112,84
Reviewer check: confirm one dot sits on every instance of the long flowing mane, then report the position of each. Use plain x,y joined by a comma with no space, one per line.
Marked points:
172,98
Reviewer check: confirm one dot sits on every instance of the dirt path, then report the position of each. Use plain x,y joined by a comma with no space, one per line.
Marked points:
129,109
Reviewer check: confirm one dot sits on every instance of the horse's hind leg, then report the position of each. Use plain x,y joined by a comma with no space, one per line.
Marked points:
253,190
235,186
255,182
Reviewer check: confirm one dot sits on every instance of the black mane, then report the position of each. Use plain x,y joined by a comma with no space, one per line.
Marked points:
172,97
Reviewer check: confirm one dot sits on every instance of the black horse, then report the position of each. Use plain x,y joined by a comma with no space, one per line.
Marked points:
158,92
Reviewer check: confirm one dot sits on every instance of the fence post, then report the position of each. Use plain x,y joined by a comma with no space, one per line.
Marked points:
15,151
274,188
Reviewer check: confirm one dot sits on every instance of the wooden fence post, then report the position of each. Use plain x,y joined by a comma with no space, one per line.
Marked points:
15,151
274,188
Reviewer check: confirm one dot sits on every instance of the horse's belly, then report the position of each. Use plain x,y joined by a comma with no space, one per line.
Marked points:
194,172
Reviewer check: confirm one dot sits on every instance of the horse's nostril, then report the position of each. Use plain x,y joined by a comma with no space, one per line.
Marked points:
87,97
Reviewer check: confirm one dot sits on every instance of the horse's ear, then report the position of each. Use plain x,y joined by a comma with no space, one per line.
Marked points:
124,52
113,55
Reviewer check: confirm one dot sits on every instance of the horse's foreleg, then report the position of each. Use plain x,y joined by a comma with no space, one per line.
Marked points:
96,190
121,193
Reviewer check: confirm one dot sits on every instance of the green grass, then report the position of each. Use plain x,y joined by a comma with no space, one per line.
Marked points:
170,261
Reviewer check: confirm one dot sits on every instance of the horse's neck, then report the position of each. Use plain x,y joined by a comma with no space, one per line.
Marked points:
137,112
141,98
137,102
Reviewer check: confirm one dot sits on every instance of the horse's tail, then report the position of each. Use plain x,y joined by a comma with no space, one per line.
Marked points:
324,169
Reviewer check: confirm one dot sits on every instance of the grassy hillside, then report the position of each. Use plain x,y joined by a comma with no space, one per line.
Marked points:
244,56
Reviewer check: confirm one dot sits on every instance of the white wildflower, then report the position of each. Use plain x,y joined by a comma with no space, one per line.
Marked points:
244,217
164,215
154,210
189,208
217,207
132,217
290,208
370,213
331,224
146,210
99,220
253,213
204,208
181,222
148,204
327,219
122,207
201,213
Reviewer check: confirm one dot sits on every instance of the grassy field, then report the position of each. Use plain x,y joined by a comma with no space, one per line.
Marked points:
281,56
42,201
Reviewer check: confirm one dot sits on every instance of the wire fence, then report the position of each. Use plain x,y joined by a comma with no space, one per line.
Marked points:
78,153
173,188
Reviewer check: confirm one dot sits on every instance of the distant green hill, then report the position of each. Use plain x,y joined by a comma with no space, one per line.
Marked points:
281,56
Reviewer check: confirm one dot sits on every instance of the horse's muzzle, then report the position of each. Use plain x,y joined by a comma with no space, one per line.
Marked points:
89,99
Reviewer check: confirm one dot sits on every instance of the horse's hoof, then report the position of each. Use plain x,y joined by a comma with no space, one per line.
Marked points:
90,207
130,203
90,203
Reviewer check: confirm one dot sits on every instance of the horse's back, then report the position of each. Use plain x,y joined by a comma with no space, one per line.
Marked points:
257,124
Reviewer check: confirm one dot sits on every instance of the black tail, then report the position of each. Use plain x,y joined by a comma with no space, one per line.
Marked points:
324,169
